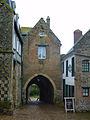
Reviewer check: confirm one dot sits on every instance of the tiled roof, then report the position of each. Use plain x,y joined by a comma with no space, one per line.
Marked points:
72,49
25,29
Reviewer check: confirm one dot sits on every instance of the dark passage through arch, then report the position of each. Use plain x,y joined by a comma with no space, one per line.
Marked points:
46,89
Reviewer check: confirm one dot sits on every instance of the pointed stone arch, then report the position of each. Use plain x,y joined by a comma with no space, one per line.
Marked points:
44,75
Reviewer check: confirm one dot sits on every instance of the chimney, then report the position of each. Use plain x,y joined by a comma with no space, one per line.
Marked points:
77,35
48,21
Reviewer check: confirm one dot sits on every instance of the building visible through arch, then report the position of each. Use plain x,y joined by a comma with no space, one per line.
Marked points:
46,88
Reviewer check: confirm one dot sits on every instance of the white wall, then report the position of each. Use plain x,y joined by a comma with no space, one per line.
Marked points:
68,80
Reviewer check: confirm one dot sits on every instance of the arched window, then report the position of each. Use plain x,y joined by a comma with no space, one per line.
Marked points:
85,66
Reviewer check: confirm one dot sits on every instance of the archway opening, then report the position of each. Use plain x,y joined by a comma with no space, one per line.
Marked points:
45,87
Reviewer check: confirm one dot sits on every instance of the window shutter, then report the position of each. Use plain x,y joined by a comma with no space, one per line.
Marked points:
73,66
63,67
67,68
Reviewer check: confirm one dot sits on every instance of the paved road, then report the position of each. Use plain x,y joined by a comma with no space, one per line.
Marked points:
41,111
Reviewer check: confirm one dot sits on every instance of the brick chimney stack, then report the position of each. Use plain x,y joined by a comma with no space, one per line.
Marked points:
48,21
77,35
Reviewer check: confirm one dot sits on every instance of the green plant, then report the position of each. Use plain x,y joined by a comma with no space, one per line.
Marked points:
34,90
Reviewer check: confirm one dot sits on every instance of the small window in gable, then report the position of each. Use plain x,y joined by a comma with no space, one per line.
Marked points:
41,33
85,66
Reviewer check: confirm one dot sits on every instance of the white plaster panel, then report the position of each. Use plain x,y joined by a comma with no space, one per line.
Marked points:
68,80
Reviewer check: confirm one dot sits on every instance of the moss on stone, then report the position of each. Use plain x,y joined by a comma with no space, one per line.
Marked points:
6,107
5,104
26,29
2,3
6,51
6,25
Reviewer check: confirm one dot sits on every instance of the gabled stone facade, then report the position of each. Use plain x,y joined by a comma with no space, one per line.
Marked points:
48,68
82,78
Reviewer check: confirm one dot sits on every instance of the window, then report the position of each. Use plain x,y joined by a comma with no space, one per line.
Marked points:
63,67
14,42
19,48
67,90
41,52
85,66
72,66
41,33
67,68
71,91
85,92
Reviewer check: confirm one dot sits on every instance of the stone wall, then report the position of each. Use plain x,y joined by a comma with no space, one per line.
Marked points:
51,65
10,66
6,23
5,75
83,46
16,84
82,79
6,78
6,55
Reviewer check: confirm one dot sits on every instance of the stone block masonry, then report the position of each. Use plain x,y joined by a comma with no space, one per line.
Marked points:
6,55
49,67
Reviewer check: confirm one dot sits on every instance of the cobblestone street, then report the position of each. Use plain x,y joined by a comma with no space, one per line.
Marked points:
41,111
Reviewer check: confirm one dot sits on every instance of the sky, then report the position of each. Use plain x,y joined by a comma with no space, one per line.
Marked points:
65,17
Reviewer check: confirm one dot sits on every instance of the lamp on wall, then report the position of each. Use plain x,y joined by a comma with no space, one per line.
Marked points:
70,68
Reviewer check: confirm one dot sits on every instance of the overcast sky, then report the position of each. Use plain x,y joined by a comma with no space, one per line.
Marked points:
65,17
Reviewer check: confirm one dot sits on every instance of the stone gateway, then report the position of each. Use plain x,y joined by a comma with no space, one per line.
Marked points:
41,62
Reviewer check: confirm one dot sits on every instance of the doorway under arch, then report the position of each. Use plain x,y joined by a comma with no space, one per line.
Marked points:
45,86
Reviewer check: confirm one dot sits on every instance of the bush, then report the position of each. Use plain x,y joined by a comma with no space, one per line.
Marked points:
35,91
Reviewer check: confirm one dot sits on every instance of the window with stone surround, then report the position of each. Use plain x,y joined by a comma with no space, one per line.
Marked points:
63,67
19,47
41,33
85,66
72,66
67,68
41,52
85,92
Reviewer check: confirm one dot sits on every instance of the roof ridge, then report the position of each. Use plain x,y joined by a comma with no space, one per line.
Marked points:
71,50
41,20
